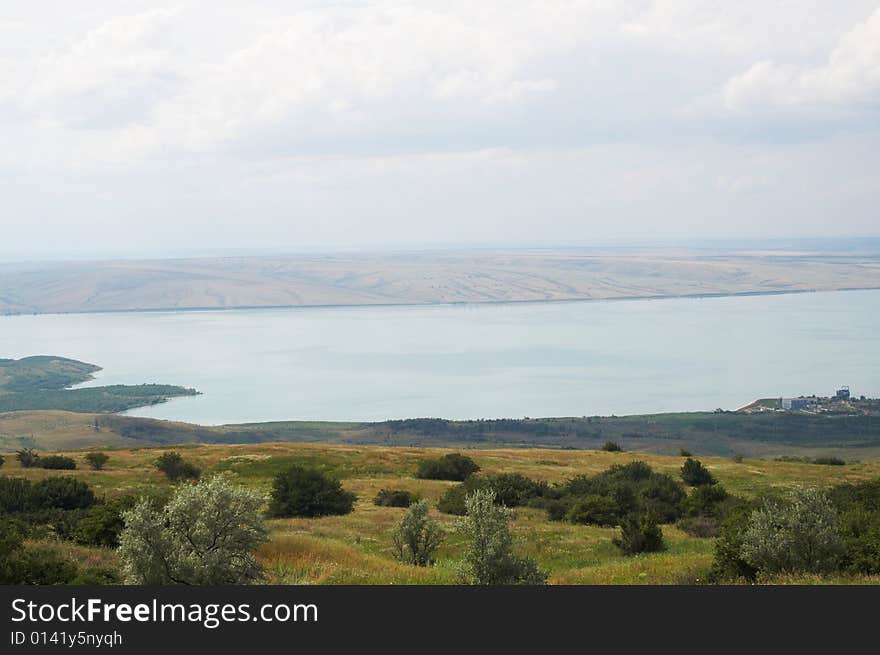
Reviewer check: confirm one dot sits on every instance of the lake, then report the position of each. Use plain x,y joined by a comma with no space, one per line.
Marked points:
475,361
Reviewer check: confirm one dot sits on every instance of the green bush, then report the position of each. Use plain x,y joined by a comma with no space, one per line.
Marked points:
32,566
103,523
452,500
695,474
61,493
15,495
593,510
27,458
511,489
302,491
416,537
489,558
176,468
634,487
98,575
708,500
829,461
453,466
860,533
639,533
685,453
97,460
2,460
395,498
58,462
205,535
794,536
612,447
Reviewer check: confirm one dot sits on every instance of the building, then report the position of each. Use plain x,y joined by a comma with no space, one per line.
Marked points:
796,403
843,393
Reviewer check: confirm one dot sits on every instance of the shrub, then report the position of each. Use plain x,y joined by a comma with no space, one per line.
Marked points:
685,453
489,557
707,500
453,466
794,536
27,458
633,471
416,537
301,491
176,468
15,495
103,523
860,534
59,462
62,493
738,458
97,460
511,489
34,566
206,534
612,447
98,575
633,487
728,563
2,460
594,510
829,461
702,527
395,498
639,533
695,474
452,501
661,496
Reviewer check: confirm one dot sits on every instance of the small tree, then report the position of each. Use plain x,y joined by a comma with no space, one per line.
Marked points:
639,533
612,447
27,458
796,535
301,491
97,460
176,468
695,474
206,534
416,537
489,559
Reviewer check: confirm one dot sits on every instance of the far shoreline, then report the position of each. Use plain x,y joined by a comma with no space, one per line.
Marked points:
461,303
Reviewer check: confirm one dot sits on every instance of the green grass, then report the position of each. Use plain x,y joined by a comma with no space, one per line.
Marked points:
355,549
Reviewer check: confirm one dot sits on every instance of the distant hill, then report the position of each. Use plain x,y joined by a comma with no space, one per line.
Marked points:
422,278
718,433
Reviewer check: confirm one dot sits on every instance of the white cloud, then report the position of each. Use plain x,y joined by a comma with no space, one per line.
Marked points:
434,121
850,77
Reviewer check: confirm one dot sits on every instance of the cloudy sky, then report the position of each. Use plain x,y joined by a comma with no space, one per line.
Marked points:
129,125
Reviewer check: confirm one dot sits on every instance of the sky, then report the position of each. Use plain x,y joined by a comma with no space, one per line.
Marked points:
131,126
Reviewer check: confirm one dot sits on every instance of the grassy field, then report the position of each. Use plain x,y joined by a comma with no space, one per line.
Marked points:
355,549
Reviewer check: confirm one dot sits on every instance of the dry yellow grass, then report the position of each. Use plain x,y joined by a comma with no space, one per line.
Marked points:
355,549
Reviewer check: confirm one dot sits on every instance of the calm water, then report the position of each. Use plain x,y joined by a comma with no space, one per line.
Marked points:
470,361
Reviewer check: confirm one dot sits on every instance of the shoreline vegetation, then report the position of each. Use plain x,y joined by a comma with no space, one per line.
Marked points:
44,382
